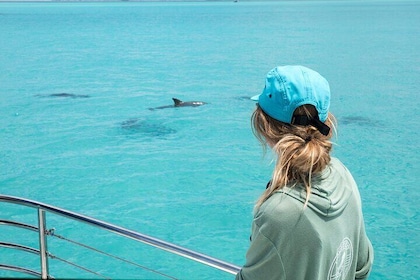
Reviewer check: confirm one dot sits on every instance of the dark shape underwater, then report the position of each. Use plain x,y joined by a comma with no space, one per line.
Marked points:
180,103
356,120
147,128
66,95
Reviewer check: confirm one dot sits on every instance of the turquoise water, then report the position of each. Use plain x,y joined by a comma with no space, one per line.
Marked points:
191,175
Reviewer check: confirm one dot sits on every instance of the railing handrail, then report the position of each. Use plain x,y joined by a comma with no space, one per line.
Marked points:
155,242
20,269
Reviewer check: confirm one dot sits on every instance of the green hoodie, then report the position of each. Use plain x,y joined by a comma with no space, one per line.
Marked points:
324,240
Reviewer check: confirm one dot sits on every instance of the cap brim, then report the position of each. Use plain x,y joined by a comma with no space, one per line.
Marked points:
256,97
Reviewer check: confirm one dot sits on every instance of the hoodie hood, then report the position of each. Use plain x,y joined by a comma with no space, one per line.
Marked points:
330,190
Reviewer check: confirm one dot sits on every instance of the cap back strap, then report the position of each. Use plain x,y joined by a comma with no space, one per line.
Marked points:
305,121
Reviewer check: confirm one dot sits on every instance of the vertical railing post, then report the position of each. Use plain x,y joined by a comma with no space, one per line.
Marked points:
43,244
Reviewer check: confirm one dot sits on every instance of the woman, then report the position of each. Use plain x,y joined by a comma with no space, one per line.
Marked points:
308,223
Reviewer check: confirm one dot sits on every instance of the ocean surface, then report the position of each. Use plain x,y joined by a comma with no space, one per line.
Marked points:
77,81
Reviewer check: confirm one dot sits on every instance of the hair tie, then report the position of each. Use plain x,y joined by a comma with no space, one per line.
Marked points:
308,138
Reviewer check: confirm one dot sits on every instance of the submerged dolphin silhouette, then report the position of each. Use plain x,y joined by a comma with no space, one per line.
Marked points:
70,95
358,120
146,127
66,95
179,103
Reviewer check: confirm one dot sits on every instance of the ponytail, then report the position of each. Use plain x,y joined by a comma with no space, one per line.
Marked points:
302,150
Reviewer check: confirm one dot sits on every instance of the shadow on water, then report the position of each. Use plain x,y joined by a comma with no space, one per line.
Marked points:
151,128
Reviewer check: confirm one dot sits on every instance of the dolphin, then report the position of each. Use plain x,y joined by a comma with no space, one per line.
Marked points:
65,95
70,95
146,127
179,103
358,120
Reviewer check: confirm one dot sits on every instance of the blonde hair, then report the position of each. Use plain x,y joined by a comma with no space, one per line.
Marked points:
302,150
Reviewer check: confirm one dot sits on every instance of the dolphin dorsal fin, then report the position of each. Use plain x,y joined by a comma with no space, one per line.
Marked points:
176,101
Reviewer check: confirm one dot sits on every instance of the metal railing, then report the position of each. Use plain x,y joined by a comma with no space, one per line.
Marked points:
43,208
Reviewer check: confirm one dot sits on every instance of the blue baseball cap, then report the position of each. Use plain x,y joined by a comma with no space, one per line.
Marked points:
289,87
